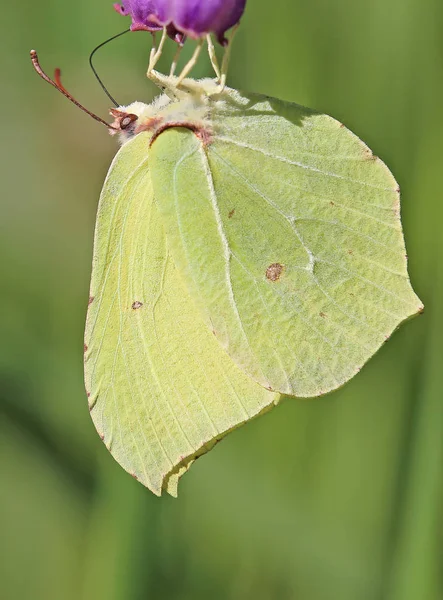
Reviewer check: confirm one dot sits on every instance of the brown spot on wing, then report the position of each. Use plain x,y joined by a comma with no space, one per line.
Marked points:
368,155
136,305
274,271
231,213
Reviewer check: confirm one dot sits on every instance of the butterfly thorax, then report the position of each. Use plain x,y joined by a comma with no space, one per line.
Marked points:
191,108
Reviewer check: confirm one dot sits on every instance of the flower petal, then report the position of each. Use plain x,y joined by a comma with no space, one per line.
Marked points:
143,14
197,18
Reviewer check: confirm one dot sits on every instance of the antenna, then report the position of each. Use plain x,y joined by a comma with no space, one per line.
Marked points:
58,86
114,37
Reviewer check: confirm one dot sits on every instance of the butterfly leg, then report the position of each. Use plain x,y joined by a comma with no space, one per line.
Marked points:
175,60
192,62
225,64
156,52
213,56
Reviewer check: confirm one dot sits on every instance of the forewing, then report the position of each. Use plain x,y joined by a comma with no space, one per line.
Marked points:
161,390
286,231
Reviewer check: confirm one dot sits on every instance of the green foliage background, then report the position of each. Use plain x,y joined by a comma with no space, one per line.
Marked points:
336,498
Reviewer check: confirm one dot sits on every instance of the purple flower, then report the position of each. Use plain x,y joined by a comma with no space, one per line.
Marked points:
144,14
193,18
197,18
149,15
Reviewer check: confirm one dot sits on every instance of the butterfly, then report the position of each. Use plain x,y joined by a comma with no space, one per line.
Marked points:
246,249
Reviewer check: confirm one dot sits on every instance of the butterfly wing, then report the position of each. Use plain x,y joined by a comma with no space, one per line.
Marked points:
286,231
161,390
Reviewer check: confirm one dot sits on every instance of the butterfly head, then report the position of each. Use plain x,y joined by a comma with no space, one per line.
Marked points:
135,118
124,122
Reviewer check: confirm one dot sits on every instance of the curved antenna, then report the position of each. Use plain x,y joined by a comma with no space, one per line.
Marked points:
58,86
91,56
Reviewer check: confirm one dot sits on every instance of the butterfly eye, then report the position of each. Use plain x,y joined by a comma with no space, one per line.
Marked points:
127,120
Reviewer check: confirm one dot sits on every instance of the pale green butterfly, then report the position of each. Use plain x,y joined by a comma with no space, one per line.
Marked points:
245,248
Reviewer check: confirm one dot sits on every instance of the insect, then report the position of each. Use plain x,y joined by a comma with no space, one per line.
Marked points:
246,249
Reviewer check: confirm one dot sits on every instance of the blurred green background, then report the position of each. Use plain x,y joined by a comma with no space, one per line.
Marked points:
336,498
